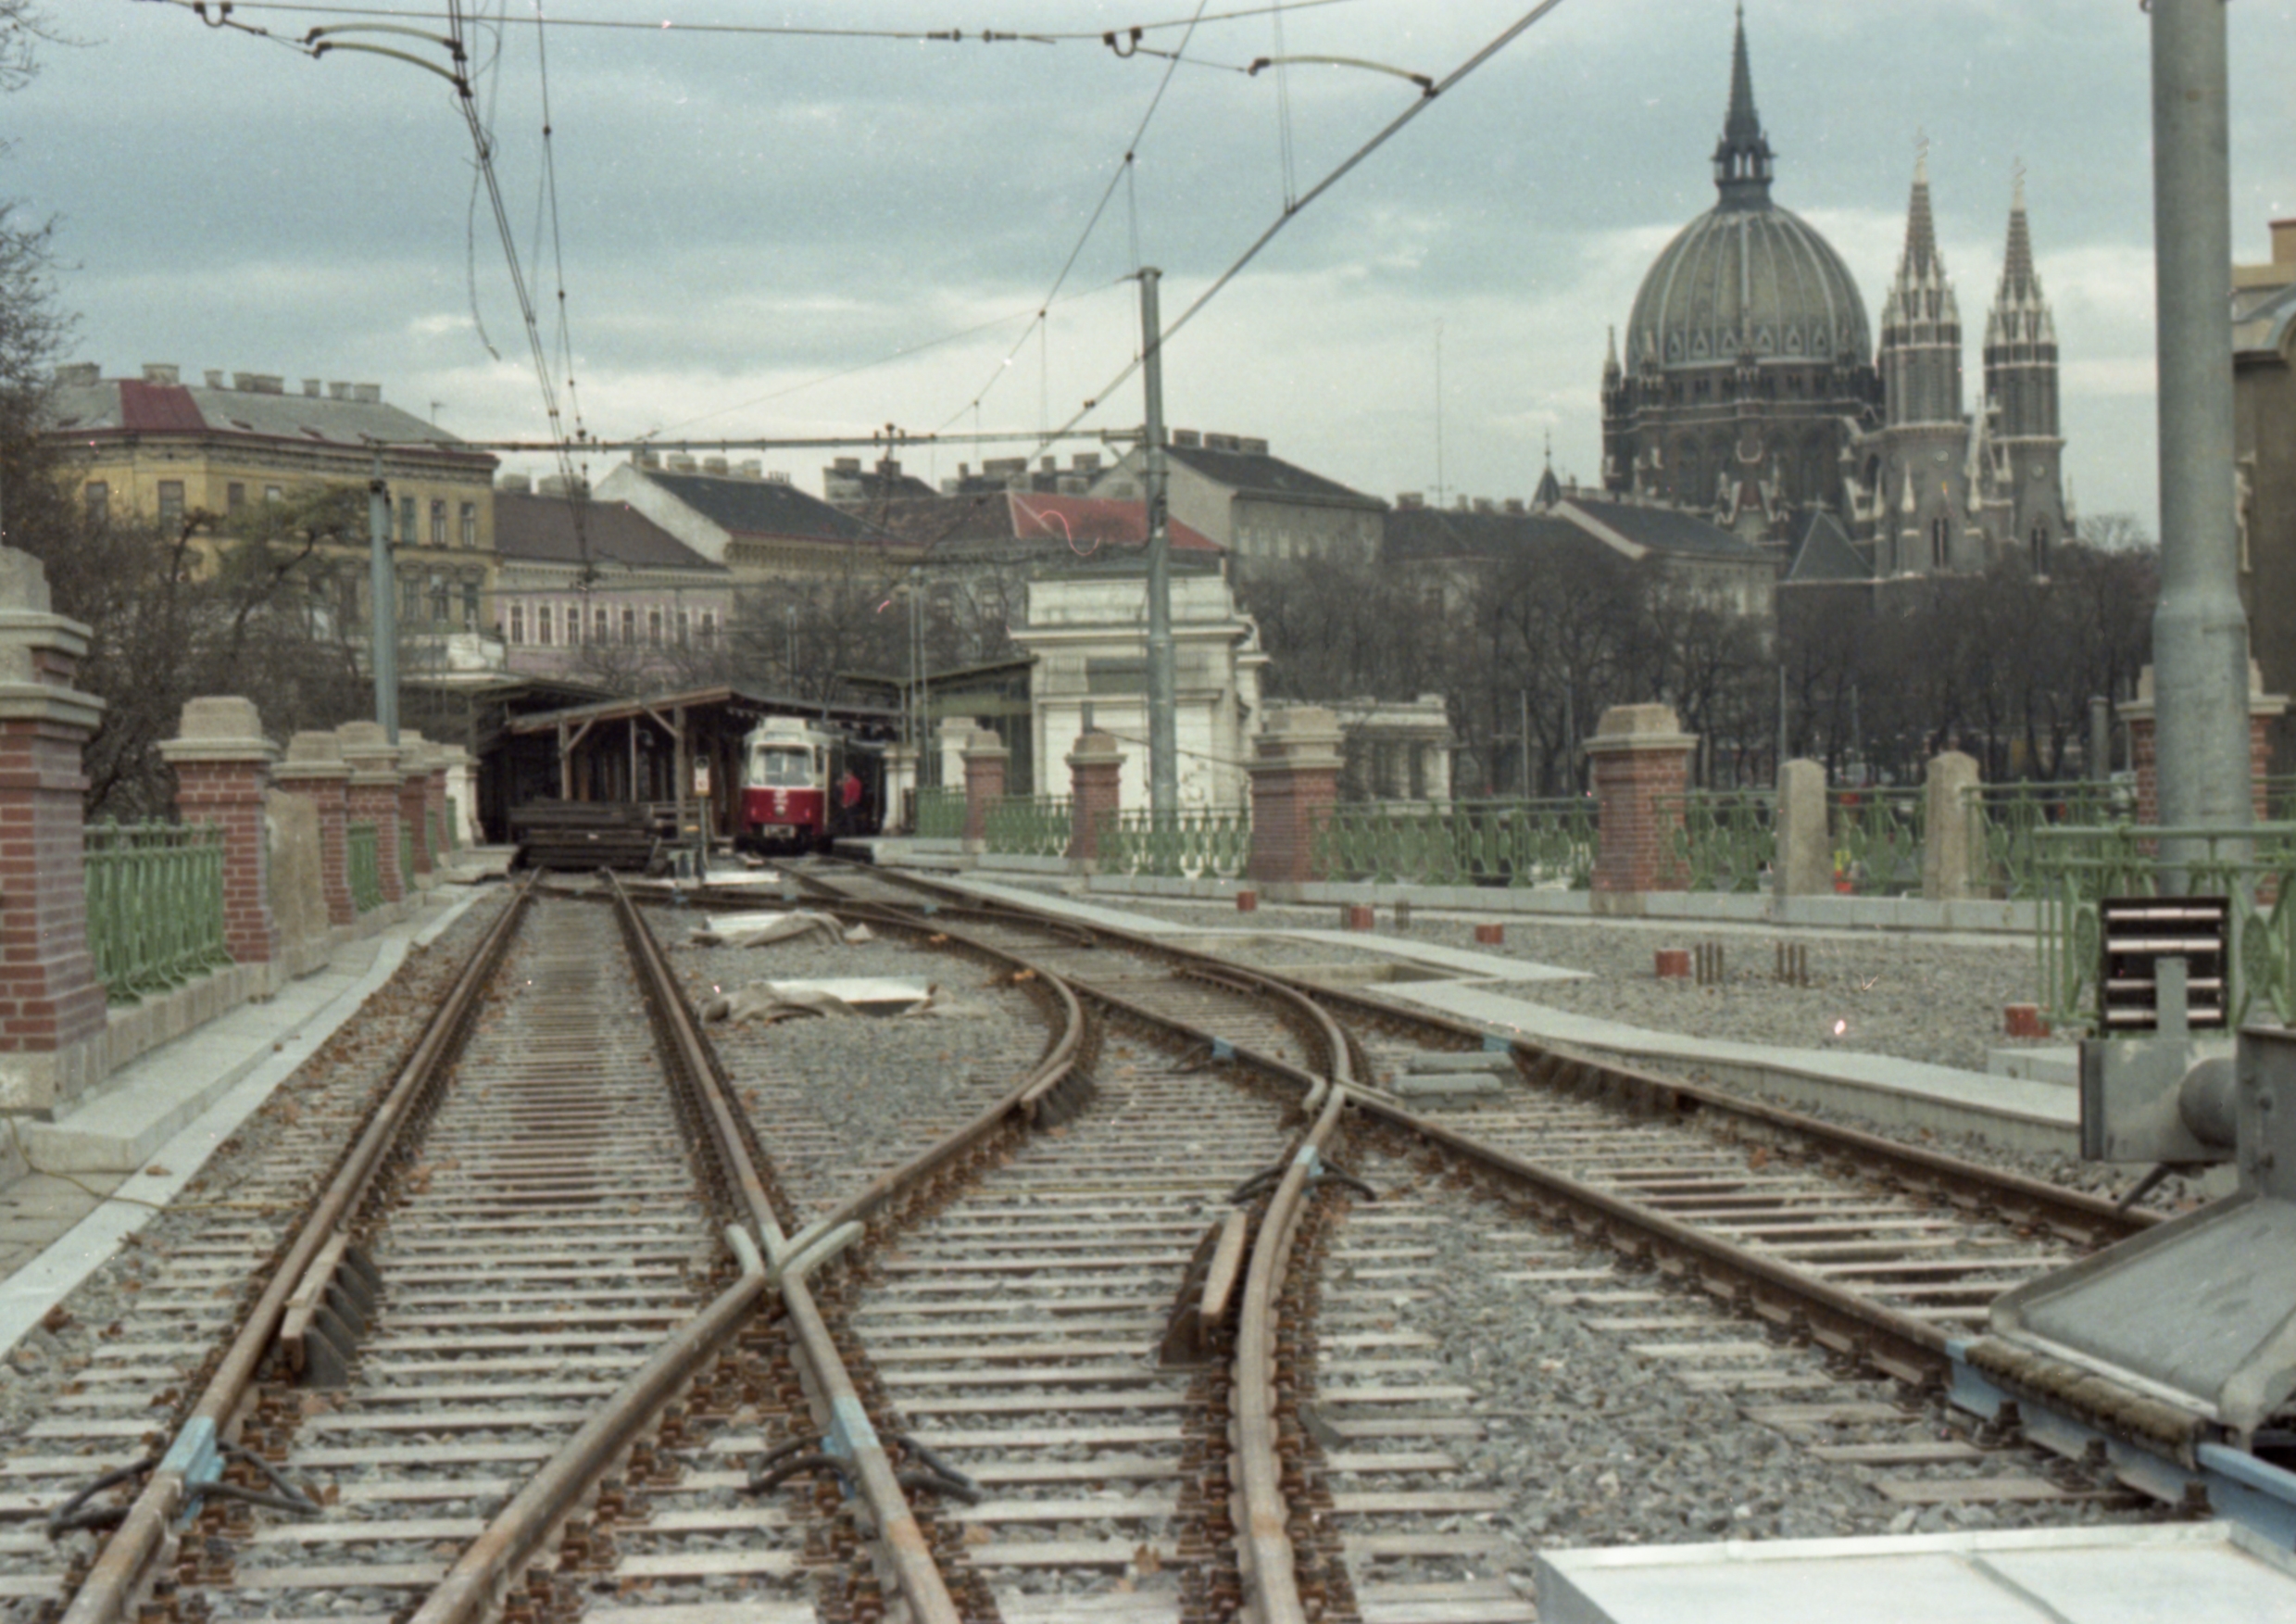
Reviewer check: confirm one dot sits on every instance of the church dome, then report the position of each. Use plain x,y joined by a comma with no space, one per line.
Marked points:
1747,277
1740,281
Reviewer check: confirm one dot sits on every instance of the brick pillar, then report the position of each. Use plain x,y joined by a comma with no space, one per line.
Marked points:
986,759
315,770
373,760
414,790
222,766
1094,771
51,1004
2263,710
1641,761
1294,782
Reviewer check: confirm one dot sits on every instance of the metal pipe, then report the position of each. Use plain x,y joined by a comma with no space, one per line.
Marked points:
383,624
1163,721
2199,636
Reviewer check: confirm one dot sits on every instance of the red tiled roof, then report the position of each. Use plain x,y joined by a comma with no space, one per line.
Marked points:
157,406
1087,524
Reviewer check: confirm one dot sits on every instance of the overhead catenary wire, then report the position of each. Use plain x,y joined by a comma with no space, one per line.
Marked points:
668,25
1122,174
1497,44
1028,313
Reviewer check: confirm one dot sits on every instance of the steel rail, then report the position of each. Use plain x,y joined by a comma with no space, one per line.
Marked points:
476,1585
1905,1347
2075,1212
1909,1349
1270,1564
844,1420
108,1594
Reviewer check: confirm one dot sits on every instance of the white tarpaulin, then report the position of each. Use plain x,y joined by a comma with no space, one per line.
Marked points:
838,997
753,930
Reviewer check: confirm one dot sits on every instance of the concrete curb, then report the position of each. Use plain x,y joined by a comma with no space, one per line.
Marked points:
28,1294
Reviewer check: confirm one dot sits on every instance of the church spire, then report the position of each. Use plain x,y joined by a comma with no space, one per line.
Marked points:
1742,159
1921,228
1920,352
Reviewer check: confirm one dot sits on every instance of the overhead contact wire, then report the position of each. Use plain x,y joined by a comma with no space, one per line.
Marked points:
1506,37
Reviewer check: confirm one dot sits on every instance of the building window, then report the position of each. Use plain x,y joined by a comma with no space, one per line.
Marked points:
518,623
708,628
1937,544
351,617
469,605
406,522
234,498
653,627
2041,549
440,601
170,503
274,494
600,628
469,524
629,628
409,600
98,494
438,521
542,624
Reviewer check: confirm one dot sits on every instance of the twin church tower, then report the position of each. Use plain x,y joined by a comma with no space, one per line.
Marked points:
1751,388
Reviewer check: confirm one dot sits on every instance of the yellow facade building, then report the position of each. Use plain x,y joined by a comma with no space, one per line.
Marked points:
157,450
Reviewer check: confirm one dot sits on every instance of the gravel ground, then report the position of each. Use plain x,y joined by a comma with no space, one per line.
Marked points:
839,1100
1599,1445
258,1177
1881,992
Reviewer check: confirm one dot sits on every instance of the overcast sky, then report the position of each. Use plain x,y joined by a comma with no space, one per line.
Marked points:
742,214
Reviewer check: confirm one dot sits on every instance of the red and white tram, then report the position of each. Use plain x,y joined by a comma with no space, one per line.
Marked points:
804,786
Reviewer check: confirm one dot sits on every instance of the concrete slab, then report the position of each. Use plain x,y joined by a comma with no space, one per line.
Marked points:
2018,1113
2023,1115
259,1047
2177,1573
1083,912
2059,1063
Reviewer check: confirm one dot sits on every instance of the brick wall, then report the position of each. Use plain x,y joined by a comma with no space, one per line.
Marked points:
377,803
230,794
49,997
985,782
1095,772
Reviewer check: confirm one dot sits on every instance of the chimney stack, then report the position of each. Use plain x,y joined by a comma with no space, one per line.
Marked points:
161,373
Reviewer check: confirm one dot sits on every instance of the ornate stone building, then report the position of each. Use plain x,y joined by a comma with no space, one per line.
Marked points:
1746,394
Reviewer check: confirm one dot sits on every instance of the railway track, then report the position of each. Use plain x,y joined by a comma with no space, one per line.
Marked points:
1148,1309
1809,1274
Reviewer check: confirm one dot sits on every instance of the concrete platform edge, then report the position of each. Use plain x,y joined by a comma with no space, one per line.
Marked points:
28,1294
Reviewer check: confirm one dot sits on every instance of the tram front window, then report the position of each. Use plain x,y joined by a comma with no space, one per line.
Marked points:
783,769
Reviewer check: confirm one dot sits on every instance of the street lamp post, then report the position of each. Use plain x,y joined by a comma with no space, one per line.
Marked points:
383,624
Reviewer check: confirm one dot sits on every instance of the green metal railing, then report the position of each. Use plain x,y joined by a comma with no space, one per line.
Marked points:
155,905
1876,837
1029,825
1461,843
2077,868
2006,818
1183,845
940,814
453,825
1728,839
406,857
365,866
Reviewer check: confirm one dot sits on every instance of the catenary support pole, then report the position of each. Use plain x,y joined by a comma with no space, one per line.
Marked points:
383,624
1164,721
2200,636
